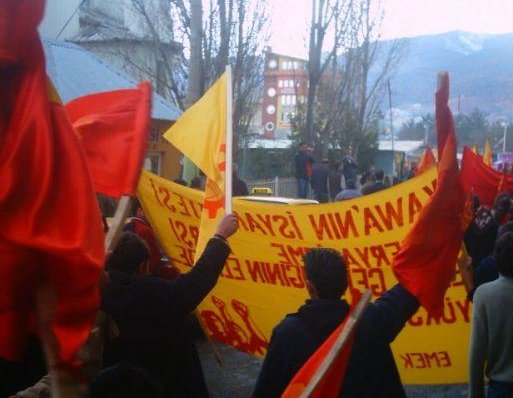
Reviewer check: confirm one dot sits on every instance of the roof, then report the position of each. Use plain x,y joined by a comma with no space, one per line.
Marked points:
400,145
77,72
270,144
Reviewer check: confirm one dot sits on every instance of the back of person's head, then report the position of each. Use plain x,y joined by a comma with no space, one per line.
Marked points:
508,227
196,183
180,181
128,256
503,254
379,174
326,270
125,381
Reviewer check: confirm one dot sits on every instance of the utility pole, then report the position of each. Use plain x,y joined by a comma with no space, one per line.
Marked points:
391,126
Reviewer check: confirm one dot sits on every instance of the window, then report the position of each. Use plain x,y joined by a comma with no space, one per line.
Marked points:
271,92
280,83
293,99
270,110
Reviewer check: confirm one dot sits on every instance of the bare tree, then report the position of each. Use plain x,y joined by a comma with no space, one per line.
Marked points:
347,81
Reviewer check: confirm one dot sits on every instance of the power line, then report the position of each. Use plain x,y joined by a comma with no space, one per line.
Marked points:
69,19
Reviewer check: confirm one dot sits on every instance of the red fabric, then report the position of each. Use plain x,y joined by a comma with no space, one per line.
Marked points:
426,263
330,385
51,229
113,128
482,180
443,115
428,161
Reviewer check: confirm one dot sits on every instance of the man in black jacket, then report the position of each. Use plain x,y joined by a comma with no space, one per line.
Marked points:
151,312
372,372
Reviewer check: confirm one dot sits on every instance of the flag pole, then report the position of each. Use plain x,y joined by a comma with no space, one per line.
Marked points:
229,140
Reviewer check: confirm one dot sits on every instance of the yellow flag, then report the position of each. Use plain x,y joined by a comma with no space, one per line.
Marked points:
475,150
487,156
200,134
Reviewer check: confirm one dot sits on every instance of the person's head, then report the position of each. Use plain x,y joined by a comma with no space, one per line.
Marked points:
326,275
503,253
180,181
502,202
137,210
379,174
125,381
303,147
349,152
325,162
196,183
130,255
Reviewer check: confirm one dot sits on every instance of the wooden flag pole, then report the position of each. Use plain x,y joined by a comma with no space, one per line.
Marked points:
122,211
338,346
229,141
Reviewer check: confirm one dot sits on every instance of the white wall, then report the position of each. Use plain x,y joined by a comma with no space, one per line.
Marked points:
56,14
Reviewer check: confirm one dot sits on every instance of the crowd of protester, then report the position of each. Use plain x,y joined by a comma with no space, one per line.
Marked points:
142,345
336,181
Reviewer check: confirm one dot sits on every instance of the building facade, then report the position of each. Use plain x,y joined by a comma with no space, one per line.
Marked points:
285,87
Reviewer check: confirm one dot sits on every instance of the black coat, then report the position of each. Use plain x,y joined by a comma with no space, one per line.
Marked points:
372,372
375,187
319,179
302,160
151,315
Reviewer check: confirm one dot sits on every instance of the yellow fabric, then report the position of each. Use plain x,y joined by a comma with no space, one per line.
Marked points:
487,156
475,150
263,279
200,134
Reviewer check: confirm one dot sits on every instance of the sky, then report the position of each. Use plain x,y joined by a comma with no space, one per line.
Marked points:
402,18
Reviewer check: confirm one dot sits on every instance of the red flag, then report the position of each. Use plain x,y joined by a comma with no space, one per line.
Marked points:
482,180
113,128
425,265
51,232
428,161
331,383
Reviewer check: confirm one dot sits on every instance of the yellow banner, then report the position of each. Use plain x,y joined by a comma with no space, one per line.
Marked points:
263,279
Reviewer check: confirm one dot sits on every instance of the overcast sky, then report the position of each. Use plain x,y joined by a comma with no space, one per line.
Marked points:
403,18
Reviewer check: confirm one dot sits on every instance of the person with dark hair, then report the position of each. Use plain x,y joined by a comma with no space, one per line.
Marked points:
195,183
377,184
139,225
349,192
319,181
125,381
239,187
180,181
491,342
151,312
372,372
304,164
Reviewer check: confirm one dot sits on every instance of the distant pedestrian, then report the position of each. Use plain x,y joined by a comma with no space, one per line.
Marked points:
334,180
304,164
375,186
239,187
350,167
319,181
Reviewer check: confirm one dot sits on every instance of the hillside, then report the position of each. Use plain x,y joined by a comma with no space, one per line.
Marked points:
480,66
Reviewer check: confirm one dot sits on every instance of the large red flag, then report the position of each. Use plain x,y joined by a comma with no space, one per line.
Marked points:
482,180
113,128
425,265
51,235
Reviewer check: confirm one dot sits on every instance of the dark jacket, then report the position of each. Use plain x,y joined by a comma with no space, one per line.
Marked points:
319,179
372,372
239,187
350,168
303,163
375,187
151,313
